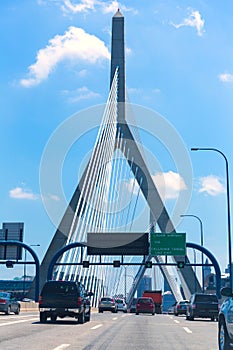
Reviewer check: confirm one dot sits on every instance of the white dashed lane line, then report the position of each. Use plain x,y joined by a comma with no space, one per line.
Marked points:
176,321
114,318
19,321
187,330
97,326
62,347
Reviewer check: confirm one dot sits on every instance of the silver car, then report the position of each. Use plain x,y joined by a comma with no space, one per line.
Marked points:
9,304
225,321
107,304
121,305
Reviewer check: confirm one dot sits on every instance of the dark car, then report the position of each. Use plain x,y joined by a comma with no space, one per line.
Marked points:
181,307
203,306
225,318
107,304
64,299
132,308
145,305
9,304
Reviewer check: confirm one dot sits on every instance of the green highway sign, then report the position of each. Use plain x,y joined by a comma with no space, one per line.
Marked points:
168,244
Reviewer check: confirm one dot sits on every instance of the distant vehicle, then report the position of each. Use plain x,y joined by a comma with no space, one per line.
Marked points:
9,304
203,306
121,305
225,324
64,299
145,305
181,307
156,295
133,306
107,304
170,310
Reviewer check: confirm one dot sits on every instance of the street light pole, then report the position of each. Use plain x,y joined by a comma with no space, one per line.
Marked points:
202,243
125,282
228,206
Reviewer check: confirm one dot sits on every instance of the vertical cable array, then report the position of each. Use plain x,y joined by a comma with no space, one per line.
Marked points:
107,202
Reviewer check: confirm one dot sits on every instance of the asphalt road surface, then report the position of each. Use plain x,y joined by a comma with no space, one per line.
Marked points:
107,331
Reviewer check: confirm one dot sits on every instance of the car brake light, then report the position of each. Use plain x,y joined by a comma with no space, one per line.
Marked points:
40,300
79,301
2,301
178,306
194,306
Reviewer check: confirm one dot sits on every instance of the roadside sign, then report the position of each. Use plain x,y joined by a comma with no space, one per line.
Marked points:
168,244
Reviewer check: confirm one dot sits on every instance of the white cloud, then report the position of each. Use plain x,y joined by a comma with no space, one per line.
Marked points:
20,193
75,44
106,7
82,94
211,185
194,20
82,73
226,77
54,197
169,185
83,6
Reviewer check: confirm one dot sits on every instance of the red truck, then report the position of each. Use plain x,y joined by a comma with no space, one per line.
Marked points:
156,295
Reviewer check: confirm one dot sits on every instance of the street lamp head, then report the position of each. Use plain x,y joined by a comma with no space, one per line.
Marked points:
195,149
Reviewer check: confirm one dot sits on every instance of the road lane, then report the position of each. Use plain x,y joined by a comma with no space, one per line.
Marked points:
123,331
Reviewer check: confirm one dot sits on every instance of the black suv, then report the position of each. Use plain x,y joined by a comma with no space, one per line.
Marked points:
203,306
64,298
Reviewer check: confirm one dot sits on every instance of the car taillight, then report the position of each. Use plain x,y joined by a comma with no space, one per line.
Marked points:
178,306
194,306
79,301
40,300
2,301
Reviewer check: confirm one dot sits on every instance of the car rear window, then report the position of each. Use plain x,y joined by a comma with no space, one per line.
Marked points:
206,298
106,299
4,295
144,301
60,288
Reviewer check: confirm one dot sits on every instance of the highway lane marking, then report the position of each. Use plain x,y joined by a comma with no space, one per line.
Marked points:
176,321
187,330
114,318
62,346
97,326
19,321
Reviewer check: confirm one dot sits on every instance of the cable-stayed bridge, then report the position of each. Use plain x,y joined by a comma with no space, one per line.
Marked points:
114,183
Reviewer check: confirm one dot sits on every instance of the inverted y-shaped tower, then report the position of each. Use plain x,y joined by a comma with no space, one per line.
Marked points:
125,142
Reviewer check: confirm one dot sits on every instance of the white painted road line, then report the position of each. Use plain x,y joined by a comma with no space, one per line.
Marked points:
114,318
19,321
97,326
187,330
62,346
176,321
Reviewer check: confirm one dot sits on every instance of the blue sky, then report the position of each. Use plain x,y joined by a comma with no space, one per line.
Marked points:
55,63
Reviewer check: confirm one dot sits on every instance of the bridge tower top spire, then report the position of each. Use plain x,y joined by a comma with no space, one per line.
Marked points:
118,58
